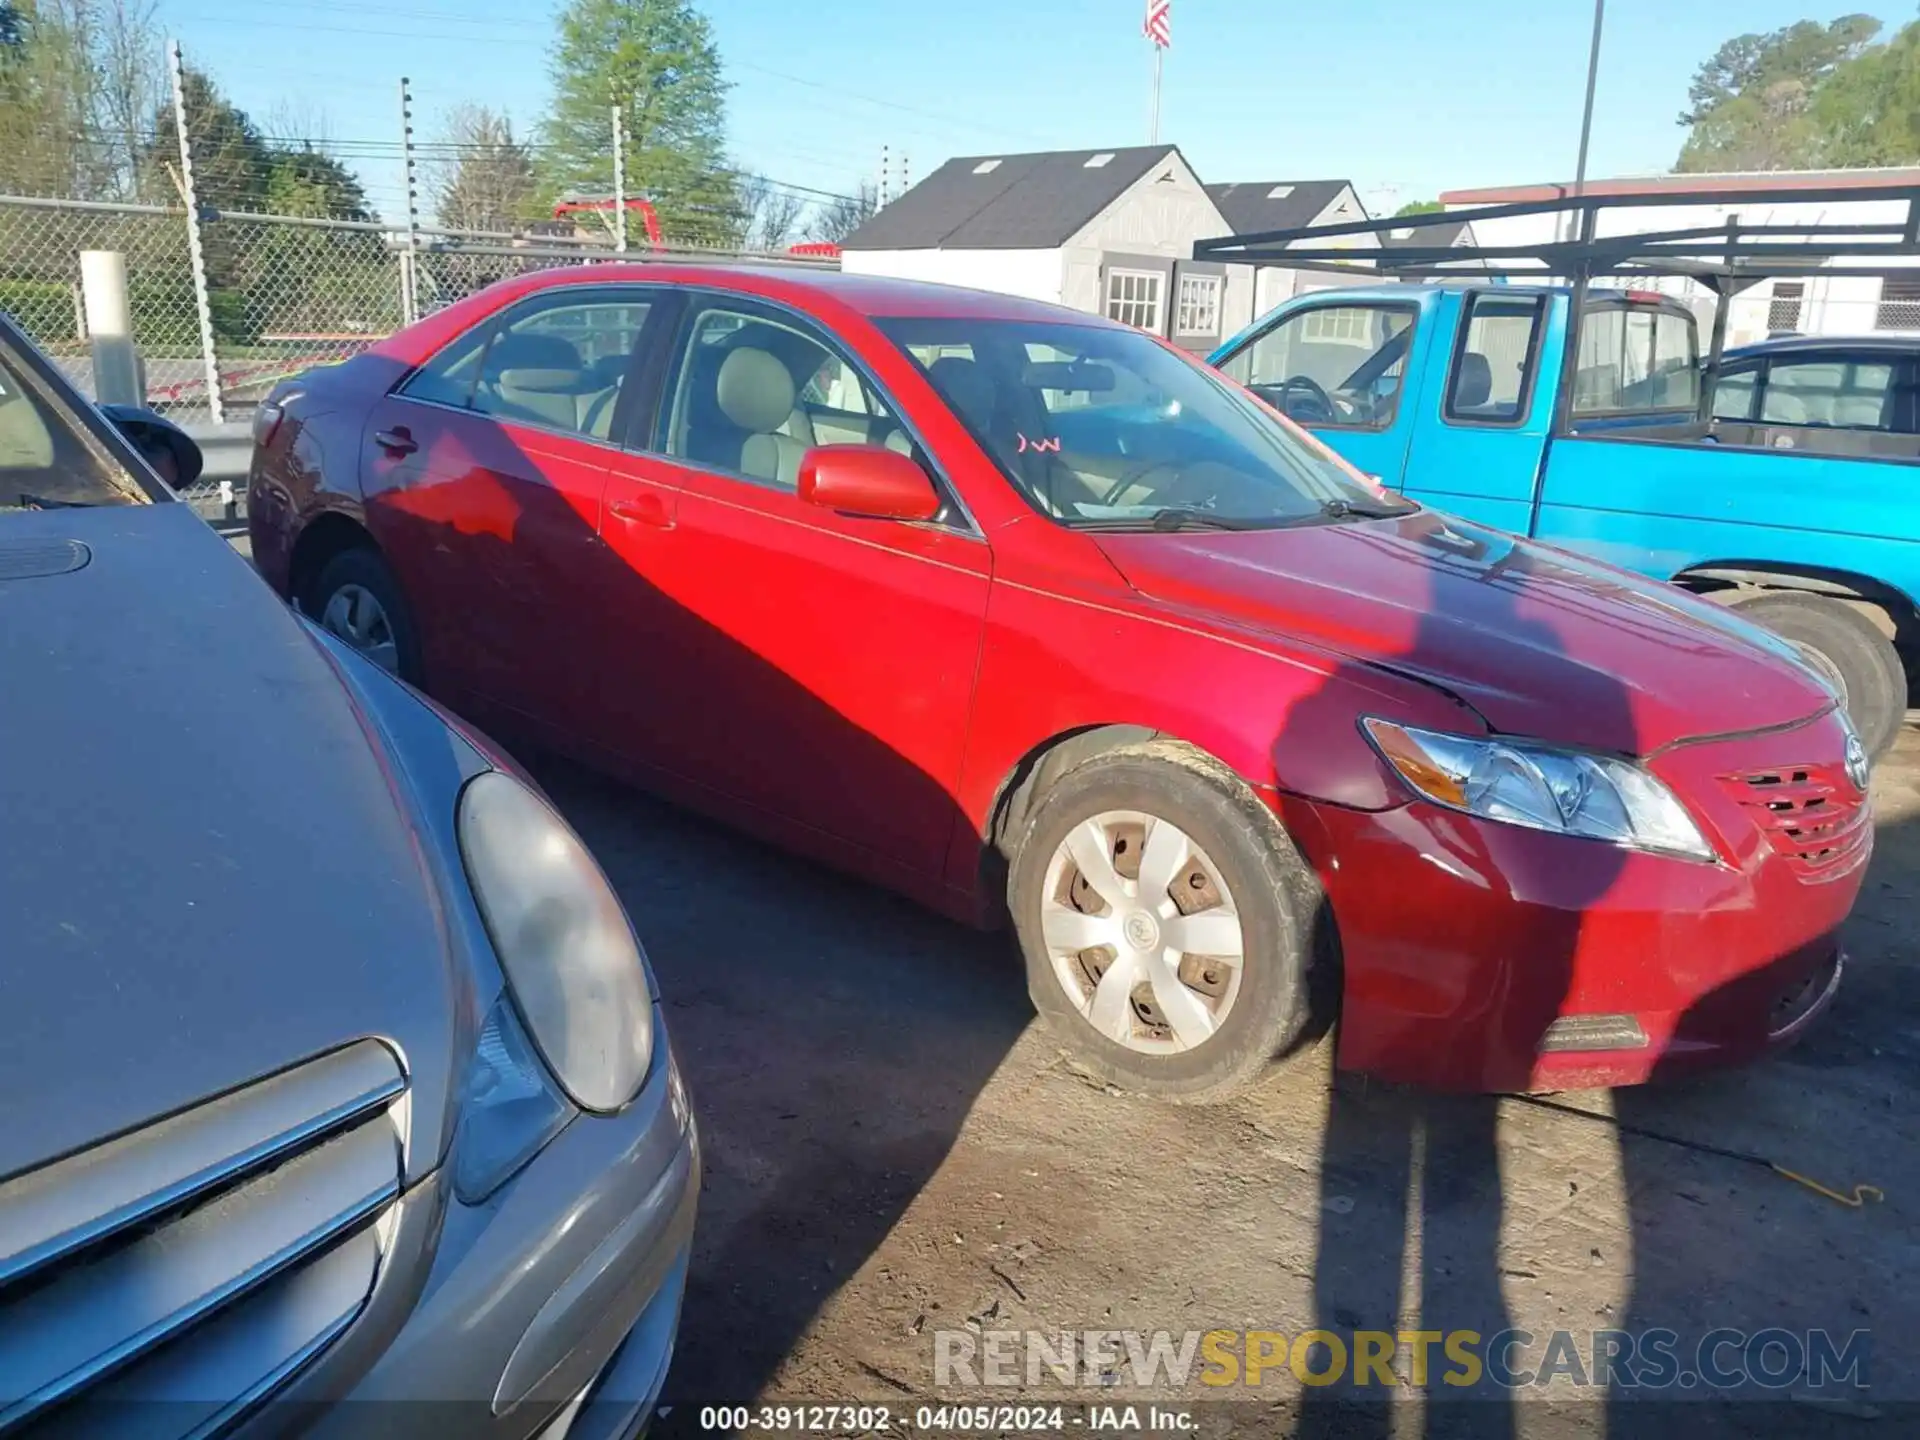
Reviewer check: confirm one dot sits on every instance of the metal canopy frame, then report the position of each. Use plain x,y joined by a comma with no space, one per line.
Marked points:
1724,259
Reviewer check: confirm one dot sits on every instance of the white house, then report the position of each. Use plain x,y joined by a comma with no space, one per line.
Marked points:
1254,207
1810,305
1110,232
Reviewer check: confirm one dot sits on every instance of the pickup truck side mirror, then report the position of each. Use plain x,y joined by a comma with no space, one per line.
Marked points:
171,452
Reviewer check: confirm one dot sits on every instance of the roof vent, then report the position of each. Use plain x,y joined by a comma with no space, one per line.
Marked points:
1279,192
985,166
1096,161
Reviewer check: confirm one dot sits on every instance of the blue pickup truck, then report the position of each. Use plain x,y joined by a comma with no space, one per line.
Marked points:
1462,395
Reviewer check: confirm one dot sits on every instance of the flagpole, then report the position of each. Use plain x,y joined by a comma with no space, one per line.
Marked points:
1153,121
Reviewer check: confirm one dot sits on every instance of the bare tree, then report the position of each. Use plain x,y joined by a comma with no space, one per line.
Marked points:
838,218
769,214
479,175
129,76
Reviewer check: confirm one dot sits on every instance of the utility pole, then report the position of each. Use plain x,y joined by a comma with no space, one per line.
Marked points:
196,252
410,258
886,164
619,184
1586,118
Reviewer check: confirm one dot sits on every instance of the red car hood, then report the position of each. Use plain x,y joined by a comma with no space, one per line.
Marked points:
1541,642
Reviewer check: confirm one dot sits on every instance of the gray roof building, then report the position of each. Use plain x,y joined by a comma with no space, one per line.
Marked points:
1007,202
1254,206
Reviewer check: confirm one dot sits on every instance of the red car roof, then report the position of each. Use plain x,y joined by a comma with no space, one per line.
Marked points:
816,290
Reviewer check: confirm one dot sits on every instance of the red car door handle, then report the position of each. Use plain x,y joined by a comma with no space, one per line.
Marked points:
397,441
648,509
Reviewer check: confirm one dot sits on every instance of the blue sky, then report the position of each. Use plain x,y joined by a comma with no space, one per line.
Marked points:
1404,97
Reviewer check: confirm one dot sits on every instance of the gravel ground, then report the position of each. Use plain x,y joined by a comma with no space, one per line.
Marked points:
895,1148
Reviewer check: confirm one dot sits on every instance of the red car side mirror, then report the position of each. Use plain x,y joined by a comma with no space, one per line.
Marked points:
867,480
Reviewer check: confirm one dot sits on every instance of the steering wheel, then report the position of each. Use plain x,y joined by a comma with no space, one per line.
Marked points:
1315,393
1131,478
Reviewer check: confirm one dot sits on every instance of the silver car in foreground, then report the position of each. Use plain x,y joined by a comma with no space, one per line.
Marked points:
334,1092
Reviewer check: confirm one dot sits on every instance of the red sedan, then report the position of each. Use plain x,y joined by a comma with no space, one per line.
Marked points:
1016,610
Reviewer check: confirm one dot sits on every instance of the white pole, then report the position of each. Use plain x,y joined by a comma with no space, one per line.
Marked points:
1153,121
196,254
116,365
619,184
410,262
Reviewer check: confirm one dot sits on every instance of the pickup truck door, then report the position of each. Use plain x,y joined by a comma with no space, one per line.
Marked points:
1340,367
1482,420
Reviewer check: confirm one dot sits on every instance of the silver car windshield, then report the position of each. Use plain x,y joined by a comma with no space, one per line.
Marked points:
1106,428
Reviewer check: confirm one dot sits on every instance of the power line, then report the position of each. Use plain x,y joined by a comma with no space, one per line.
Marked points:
835,89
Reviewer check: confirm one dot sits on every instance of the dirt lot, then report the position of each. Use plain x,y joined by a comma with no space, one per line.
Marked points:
894,1147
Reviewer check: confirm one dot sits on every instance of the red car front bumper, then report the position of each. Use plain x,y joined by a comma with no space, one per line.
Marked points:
1464,941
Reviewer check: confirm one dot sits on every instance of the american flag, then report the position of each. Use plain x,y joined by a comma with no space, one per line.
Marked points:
1159,24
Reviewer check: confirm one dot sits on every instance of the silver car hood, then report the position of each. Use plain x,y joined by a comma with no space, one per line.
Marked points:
209,866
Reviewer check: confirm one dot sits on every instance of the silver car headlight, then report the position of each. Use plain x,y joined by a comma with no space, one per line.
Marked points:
1543,788
571,960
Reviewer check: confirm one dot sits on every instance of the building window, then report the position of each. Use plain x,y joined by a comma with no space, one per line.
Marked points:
1899,303
1133,298
1783,310
1199,309
1344,323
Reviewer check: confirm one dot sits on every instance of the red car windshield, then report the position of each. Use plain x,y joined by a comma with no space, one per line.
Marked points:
1103,428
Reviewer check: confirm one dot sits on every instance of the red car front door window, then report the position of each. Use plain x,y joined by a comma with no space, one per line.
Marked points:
815,665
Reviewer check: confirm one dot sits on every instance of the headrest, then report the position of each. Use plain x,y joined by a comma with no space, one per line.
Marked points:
532,352
1473,386
538,381
965,386
754,390
608,371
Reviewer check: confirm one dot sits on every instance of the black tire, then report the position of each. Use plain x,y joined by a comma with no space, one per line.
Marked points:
1282,1000
363,566
1868,666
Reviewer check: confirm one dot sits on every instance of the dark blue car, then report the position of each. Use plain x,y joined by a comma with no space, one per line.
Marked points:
330,1067
1823,395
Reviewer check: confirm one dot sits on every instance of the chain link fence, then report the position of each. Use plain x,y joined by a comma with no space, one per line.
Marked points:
40,245
284,293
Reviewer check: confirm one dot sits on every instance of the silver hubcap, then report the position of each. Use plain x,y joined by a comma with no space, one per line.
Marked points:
358,618
1142,932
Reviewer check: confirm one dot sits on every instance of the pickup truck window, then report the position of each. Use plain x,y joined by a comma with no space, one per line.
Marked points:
1827,390
1733,396
1493,371
1633,358
1336,366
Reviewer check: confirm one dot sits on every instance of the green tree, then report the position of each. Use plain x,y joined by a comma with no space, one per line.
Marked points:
1868,110
1419,207
1754,103
302,180
231,161
77,79
657,60
46,91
